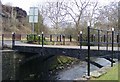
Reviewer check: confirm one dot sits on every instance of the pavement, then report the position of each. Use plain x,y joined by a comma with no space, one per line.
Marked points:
19,43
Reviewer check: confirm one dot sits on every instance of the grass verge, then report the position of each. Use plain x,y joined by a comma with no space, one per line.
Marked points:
112,74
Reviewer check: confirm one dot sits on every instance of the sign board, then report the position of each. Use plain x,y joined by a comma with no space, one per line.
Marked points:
33,15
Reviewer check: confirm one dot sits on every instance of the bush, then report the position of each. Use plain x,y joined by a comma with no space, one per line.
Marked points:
33,38
85,44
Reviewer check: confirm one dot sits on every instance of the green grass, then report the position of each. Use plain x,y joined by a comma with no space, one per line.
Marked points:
61,61
111,74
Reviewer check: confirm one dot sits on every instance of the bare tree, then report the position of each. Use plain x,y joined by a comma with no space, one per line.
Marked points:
77,13
78,10
108,16
53,12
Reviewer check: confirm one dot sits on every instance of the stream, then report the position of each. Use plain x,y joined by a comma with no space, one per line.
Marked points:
37,69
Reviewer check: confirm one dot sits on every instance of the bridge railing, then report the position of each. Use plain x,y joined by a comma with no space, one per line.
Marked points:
97,37
108,38
56,39
105,38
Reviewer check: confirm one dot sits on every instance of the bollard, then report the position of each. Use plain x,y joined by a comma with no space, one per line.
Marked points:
88,68
13,40
2,41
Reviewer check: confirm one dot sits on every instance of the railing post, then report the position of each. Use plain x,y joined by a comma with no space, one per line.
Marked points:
2,41
19,38
98,40
80,39
112,46
104,38
50,38
13,40
27,37
101,39
118,40
63,39
60,38
57,38
107,42
88,68
34,37
70,38
92,38
42,39
38,39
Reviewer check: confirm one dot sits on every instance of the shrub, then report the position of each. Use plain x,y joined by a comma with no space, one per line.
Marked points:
32,38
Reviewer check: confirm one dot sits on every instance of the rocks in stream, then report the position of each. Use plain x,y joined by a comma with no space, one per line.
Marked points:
99,72
95,74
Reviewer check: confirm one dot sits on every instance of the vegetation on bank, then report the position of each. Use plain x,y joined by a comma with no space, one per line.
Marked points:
112,74
61,62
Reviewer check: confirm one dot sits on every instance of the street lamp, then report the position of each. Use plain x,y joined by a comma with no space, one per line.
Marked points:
88,23
80,32
113,29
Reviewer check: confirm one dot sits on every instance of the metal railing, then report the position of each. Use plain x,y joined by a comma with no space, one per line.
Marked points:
94,37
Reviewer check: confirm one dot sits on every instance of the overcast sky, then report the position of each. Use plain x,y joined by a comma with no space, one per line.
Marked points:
25,4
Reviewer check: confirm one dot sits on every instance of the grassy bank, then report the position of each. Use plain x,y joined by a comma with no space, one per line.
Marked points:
112,74
61,61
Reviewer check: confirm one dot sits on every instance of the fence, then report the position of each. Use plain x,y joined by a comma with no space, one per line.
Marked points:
94,37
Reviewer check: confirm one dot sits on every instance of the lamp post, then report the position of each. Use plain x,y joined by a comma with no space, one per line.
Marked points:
80,39
42,40
13,40
112,46
88,58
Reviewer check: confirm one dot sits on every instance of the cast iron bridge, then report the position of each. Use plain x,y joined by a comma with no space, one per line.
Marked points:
93,43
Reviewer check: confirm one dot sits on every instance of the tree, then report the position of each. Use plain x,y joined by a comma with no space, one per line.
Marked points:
53,12
77,10
108,16
40,26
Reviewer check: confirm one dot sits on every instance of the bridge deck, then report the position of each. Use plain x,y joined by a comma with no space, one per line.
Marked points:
72,51
69,47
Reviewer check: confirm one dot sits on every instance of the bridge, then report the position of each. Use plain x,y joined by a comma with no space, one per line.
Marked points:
99,43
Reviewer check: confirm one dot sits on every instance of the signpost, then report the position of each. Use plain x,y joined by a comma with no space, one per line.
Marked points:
33,16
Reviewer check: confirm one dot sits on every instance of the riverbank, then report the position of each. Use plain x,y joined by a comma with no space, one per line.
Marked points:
104,73
112,74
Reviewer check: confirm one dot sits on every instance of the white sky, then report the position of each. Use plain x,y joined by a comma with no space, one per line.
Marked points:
25,4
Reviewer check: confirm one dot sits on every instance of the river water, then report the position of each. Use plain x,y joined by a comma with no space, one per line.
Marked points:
15,67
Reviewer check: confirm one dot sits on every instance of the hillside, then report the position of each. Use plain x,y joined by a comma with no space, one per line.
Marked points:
14,19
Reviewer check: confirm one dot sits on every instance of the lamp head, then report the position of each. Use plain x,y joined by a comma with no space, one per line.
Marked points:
80,32
113,29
